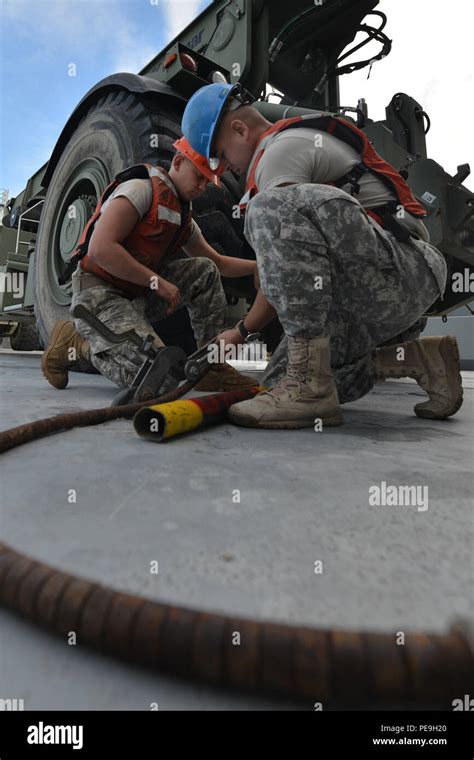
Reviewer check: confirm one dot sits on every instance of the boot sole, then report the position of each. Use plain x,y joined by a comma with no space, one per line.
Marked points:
53,338
287,425
449,351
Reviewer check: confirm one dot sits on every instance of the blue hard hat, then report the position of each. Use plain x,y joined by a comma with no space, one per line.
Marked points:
203,114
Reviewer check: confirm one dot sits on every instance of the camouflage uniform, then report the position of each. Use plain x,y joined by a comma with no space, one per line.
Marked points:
372,287
201,291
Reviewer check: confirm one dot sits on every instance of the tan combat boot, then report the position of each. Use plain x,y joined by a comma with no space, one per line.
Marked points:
434,363
305,396
223,377
58,358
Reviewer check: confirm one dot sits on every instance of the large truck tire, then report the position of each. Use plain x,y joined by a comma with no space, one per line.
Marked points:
115,133
26,338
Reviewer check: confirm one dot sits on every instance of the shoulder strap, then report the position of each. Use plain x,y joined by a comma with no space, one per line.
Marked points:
138,171
348,132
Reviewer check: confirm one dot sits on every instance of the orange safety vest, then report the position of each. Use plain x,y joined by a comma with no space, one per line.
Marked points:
357,139
161,232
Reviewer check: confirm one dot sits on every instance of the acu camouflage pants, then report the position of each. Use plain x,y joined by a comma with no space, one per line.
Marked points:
201,291
328,269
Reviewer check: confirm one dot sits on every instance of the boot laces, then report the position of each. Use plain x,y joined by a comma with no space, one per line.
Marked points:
297,368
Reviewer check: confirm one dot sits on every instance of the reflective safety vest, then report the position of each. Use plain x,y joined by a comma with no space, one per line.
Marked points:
355,138
161,232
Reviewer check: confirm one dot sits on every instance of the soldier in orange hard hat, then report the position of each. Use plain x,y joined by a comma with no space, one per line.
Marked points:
200,163
125,264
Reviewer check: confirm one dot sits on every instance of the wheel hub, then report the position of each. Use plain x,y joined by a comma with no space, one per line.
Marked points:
74,207
73,224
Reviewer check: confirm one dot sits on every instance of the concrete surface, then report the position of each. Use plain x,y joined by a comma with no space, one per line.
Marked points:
304,497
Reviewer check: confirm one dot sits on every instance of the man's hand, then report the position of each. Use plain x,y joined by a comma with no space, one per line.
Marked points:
231,336
170,293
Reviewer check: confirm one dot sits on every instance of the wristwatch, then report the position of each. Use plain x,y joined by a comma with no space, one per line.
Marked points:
242,329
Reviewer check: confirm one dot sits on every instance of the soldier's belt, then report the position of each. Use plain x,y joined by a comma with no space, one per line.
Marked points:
86,280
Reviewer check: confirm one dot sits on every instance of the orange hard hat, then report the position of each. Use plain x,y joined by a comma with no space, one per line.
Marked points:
200,162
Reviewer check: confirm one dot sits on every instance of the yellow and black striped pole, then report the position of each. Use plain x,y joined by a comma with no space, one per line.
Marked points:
163,421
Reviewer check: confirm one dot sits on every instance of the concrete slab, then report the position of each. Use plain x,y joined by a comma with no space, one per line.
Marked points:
304,498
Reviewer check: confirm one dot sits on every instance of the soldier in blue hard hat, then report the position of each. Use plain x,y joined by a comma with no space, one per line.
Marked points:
343,257
203,115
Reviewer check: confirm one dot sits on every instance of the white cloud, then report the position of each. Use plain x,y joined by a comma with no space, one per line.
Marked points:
431,60
178,14
130,56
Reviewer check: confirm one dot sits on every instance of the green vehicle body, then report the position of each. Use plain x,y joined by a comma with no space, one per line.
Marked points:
232,37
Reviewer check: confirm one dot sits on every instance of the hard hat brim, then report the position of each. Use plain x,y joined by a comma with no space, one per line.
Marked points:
185,150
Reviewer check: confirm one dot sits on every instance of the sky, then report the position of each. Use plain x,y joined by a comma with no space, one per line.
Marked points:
431,60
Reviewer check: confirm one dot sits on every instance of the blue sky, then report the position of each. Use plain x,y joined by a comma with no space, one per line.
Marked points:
40,38
430,60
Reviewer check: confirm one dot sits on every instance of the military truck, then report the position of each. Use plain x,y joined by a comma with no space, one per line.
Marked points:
298,50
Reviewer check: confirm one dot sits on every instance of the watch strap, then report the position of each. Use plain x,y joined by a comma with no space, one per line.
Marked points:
242,329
